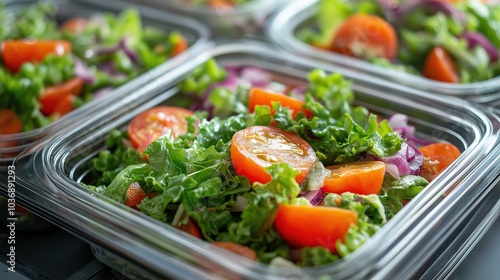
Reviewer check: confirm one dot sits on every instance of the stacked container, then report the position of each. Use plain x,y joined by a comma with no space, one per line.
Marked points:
292,19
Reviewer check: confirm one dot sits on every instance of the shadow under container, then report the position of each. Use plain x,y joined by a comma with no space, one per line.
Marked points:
301,15
142,247
195,33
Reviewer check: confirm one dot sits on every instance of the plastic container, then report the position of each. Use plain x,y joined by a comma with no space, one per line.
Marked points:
195,33
244,19
402,249
300,15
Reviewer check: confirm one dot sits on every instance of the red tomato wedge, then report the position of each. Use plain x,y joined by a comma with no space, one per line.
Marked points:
357,177
134,195
74,25
238,249
65,105
16,52
437,157
365,36
310,226
260,96
180,45
191,228
440,66
9,122
151,124
257,147
54,94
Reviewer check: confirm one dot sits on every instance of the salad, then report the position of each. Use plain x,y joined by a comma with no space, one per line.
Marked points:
47,69
271,171
447,41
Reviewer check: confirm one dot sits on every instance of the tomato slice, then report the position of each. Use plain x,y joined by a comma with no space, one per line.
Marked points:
440,66
150,125
54,94
260,96
257,147
311,226
365,36
10,122
16,52
437,157
357,177
134,195
191,228
65,105
238,249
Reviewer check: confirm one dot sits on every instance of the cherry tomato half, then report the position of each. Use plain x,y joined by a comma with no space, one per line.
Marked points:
257,147
357,177
311,226
16,52
260,96
437,157
366,36
150,125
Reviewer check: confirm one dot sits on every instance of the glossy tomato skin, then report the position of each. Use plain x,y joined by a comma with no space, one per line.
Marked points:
366,36
364,177
437,157
257,147
153,123
134,195
17,52
266,97
52,96
191,228
440,66
10,122
312,226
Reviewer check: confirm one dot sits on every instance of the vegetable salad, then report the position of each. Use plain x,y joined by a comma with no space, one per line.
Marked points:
47,69
270,171
443,40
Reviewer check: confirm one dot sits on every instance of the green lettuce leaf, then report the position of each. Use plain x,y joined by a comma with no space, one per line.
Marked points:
400,190
315,256
202,77
114,158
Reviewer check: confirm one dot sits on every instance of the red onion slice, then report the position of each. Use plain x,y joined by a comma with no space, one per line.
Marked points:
315,197
474,38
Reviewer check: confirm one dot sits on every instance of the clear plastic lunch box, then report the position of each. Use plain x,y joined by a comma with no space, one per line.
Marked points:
141,247
300,15
195,33
243,19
